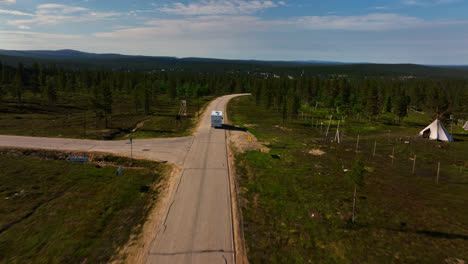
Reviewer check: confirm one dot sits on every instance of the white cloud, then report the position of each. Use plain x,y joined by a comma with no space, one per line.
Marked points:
8,2
47,14
380,8
218,7
365,22
14,12
59,9
222,26
204,26
39,34
429,2
23,27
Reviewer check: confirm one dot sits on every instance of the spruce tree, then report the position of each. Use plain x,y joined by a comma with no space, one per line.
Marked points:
107,102
19,84
356,175
51,90
401,106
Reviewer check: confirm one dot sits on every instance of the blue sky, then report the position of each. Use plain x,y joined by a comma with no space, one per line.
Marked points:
400,31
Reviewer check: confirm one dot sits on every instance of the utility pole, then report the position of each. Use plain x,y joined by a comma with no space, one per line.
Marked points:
131,147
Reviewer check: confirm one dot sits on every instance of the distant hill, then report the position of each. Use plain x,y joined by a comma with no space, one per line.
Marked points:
73,59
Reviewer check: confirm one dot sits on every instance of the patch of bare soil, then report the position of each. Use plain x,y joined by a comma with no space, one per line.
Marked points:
250,125
138,126
240,141
317,152
137,248
285,128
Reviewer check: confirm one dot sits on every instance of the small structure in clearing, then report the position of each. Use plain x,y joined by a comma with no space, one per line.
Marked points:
436,131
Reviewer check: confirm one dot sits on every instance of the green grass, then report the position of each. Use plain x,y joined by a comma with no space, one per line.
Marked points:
71,118
401,218
56,213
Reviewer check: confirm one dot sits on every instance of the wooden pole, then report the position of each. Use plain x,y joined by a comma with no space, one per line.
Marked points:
357,144
438,171
393,155
354,203
329,123
375,147
337,135
414,164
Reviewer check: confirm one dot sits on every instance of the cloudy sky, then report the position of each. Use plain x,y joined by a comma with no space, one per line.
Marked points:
399,31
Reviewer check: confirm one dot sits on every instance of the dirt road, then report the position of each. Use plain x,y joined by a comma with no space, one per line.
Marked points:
172,150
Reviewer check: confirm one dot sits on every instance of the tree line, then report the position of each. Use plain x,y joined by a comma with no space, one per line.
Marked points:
49,84
369,97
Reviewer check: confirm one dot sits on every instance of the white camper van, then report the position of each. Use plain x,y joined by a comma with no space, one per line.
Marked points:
216,118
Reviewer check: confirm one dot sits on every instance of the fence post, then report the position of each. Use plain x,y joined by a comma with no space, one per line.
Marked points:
438,171
328,128
357,144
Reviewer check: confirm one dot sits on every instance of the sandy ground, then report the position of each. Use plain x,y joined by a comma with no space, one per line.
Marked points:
240,142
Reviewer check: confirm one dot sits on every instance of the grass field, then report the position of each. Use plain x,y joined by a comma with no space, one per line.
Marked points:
71,118
297,206
54,212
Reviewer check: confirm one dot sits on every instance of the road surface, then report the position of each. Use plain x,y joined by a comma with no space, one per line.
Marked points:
171,150
198,225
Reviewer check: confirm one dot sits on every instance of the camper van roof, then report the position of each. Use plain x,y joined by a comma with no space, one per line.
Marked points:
217,113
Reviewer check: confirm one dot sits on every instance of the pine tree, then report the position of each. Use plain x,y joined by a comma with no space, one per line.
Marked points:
34,79
51,90
5,80
19,84
136,97
96,103
293,103
356,175
401,106
107,102
388,105
171,89
372,102
147,99
1,84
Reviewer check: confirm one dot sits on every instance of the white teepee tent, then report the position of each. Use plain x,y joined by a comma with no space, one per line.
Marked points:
436,131
466,126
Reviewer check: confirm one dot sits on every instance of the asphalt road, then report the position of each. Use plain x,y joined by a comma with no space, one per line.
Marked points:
198,225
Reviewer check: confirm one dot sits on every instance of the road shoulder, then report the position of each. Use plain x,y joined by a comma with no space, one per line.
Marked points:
239,240
137,248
